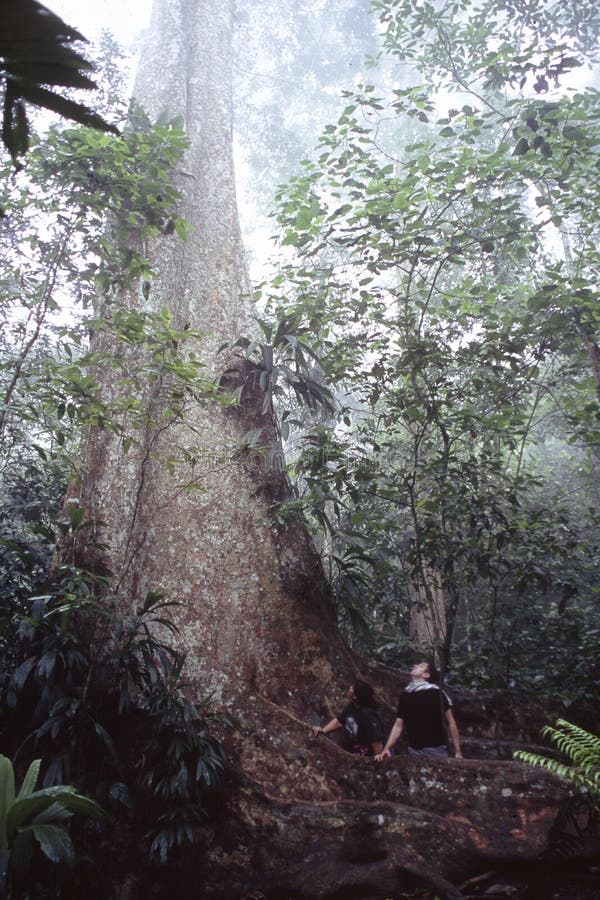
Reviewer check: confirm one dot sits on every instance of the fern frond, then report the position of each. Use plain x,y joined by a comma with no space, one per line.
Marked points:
582,749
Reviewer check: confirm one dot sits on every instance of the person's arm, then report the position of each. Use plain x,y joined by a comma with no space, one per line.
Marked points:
394,736
453,732
331,726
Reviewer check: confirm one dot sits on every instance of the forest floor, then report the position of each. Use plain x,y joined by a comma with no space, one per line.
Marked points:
581,884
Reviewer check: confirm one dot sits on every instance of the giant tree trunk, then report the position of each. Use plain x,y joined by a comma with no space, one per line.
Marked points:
256,621
244,586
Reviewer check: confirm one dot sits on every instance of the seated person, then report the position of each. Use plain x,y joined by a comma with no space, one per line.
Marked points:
360,719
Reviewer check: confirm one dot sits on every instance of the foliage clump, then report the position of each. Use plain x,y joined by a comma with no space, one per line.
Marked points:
439,271
583,751
97,693
578,823
101,697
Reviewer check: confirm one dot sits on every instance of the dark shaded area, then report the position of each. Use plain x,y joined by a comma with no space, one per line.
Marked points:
35,55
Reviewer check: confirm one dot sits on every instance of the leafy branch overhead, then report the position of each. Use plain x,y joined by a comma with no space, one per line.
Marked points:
36,56
439,261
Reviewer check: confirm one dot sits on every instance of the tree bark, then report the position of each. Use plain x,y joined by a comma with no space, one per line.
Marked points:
428,612
244,585
256,620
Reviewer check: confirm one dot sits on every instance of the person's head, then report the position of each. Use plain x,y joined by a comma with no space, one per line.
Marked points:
424,669
363,694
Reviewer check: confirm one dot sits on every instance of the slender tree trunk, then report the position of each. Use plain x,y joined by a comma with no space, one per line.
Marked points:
428,612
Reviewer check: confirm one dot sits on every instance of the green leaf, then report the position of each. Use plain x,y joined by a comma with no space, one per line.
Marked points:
521,147
7,797
69,109
39,803
42,72
30,780
304,218
22,811
55,843
52,814
15,130
76,514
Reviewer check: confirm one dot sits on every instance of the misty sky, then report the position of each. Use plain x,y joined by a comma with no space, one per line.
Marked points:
125,18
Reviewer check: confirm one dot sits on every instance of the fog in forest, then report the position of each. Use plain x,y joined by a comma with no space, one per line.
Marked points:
352,452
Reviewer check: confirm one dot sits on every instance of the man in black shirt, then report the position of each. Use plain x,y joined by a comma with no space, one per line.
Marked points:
422,708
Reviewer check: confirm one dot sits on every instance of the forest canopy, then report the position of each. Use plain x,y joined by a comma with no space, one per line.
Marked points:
441,280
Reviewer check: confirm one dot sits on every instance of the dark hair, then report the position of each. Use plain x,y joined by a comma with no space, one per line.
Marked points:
364,694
